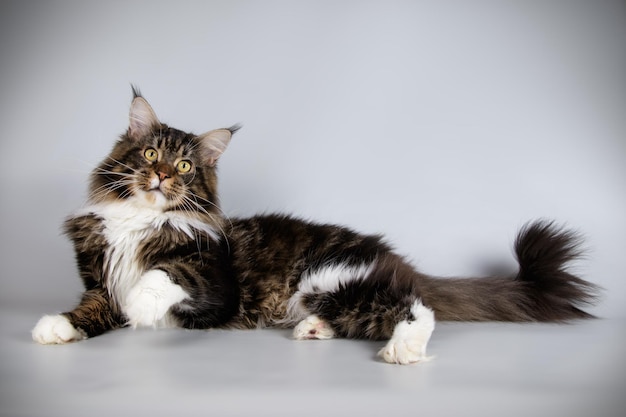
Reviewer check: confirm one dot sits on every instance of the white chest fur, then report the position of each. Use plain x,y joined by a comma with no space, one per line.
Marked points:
127,225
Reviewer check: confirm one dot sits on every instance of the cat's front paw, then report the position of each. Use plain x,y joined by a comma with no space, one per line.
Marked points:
51,330
149,301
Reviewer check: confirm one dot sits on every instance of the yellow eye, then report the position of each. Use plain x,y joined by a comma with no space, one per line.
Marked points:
183,166
151,154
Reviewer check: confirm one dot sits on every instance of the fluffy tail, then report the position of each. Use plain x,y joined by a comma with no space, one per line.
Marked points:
543,289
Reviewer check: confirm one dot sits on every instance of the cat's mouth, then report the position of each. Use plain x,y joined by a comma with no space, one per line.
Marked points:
158,187
155,197
156,193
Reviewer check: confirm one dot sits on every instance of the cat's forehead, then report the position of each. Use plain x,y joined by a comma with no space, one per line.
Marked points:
173,140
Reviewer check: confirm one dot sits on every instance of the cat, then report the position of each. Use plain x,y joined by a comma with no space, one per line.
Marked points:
154,249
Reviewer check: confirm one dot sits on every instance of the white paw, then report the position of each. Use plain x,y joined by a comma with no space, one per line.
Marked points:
410,338
51,330
149,301
312,327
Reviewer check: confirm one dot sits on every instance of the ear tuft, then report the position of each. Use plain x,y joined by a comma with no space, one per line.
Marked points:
142,118
136,91
214,143
234,128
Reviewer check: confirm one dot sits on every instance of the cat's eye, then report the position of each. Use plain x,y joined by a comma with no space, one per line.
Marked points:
151,154
183,166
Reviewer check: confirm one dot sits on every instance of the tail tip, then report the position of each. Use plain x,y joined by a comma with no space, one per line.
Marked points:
545,252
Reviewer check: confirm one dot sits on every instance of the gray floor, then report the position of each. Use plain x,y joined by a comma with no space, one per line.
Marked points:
488,369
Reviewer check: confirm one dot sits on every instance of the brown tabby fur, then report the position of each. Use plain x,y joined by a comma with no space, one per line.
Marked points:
244,275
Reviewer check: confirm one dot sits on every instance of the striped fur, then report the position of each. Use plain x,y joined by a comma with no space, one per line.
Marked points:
154,249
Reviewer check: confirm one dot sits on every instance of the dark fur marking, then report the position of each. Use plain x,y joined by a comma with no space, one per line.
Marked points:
245,278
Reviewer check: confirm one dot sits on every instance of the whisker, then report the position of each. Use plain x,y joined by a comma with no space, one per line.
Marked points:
190,204
101,192
103,171
197,197
190,207
135,170
106,188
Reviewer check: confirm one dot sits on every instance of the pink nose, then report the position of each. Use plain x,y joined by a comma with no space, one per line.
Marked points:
164,171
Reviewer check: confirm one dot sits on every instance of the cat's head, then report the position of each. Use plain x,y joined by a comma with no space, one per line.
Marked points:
161,167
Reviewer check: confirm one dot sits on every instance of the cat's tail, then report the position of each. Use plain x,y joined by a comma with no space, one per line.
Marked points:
543,289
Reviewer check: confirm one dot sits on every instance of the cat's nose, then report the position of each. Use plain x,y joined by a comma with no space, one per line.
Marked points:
164,171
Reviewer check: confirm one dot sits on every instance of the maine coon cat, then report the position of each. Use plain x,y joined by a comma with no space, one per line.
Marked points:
154,249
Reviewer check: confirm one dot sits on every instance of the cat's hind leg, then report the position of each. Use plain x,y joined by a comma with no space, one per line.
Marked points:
410,337
376,301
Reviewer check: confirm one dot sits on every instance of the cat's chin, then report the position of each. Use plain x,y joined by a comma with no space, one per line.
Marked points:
153,199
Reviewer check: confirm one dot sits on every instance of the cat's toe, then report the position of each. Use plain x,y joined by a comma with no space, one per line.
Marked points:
312,327
56,329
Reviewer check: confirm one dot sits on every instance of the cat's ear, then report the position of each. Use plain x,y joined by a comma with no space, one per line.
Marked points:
142,118
214,143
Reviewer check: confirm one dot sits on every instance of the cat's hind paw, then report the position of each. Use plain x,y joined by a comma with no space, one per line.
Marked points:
311,328
55,330
410,338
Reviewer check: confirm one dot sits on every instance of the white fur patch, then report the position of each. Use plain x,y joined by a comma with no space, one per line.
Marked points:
148,302
322,280
313,327
410,338
56,329
126,225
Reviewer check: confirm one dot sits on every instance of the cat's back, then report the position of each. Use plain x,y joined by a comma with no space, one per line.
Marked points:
287,241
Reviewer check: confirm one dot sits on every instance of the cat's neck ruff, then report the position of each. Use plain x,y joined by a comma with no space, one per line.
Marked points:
134,215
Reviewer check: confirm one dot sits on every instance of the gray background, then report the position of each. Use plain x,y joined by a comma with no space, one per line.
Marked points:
445,125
